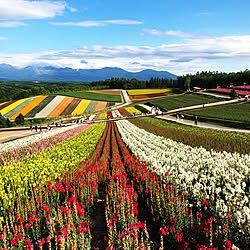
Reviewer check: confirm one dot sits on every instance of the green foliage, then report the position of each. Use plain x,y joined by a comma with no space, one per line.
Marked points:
15,90
233,93
123,83
234,112
92,96
173,102
210,80
19,119
3,123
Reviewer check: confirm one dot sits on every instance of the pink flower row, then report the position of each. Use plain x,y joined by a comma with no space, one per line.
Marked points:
239,92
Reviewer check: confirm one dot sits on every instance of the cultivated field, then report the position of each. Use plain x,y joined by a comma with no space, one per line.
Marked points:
52,106
143,183
174,102
93,96
235,112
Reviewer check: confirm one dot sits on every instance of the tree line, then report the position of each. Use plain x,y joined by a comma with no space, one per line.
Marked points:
123,83
210,80
14,90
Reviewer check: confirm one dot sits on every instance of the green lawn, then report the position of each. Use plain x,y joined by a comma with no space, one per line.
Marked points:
92,96
235,112
174,102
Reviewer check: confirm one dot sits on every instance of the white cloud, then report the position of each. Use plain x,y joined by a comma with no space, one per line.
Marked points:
229,53
96,23
11,24
177,33
4,38
23,9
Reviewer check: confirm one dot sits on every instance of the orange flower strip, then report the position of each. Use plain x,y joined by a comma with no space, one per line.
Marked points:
101,105
71,107
50,107
30,106
61,106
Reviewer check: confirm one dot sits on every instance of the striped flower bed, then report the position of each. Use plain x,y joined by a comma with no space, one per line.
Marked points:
59,108
71,107
138,97
40,106
3,105
19,107
11,106
81,107
50,107
92,106
29,107
101,105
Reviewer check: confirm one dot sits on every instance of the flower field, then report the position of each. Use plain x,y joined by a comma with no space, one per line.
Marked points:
51,106
155,193
201,174
227,91
147,91
196,137
137,94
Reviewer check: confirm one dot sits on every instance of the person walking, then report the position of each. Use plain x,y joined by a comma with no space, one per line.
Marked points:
195,120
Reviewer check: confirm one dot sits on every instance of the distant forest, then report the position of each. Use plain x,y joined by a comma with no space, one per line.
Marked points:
14,90
210,80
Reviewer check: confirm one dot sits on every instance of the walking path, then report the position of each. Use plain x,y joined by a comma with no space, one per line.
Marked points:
167,116
202,124
208,105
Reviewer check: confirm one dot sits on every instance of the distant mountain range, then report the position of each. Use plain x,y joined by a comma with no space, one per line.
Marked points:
32,73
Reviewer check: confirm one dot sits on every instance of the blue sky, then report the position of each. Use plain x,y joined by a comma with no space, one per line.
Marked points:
178,36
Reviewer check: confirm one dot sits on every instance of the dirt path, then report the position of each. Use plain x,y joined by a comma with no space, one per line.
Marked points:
13,135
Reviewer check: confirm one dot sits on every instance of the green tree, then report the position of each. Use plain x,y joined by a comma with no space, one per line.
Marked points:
19,119
233,93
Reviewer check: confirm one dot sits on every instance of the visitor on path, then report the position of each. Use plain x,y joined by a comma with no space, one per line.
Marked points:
182,117
177,117
195,120
36,127
31,128
40,128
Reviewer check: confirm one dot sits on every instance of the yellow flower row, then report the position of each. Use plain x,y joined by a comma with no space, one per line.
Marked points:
11,106
17,178
147,91
103,116
133,109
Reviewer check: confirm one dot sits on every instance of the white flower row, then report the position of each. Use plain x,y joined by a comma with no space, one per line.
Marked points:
33,138
218,177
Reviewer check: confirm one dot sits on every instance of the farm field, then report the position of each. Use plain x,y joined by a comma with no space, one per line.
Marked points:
235,112
140,194
92,96
195,136
227,91
144,183
51,106
107,91
139,94
147,91
174,102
